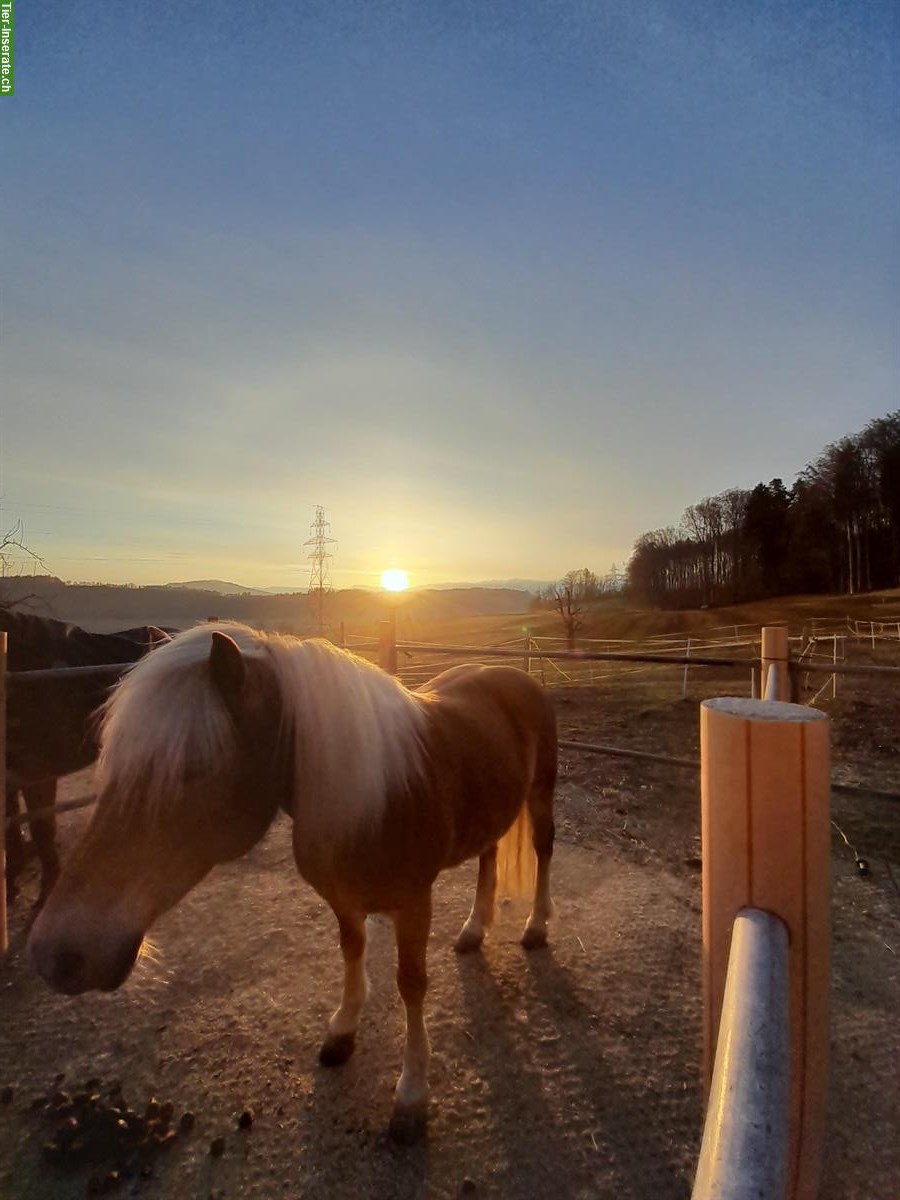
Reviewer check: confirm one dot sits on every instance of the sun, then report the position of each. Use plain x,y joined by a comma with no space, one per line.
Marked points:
394,580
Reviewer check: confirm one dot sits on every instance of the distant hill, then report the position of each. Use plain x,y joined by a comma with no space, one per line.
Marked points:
106,607
222,588
516,585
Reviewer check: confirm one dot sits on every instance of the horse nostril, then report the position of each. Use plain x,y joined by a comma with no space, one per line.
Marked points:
68,965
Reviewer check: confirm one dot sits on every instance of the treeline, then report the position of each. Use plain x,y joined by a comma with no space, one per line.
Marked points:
836,530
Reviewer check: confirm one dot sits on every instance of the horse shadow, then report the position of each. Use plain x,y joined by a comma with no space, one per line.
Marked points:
549,1059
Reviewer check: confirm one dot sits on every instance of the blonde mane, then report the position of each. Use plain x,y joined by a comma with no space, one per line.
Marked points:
357,732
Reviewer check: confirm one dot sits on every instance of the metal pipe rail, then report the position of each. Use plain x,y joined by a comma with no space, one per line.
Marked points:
744,1154
114,670
621,752
846,789
111,671
844,669
577,655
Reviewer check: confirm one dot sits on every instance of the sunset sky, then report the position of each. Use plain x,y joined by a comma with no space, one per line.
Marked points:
501,285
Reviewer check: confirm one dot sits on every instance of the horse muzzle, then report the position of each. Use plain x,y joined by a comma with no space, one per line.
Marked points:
74,965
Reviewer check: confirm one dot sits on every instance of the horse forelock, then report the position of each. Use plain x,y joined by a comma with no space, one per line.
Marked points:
356,732
166,718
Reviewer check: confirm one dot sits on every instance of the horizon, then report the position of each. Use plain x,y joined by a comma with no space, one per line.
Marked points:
514,583
502,289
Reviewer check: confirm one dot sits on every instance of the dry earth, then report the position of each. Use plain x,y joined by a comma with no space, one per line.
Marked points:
571,1071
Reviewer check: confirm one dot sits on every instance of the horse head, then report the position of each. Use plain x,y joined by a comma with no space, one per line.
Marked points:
190,768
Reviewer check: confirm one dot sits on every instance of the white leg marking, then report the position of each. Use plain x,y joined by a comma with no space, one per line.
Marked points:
345,1018
535,934
412,1087
481,917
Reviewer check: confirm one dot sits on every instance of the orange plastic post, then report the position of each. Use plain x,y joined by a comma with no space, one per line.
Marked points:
765,795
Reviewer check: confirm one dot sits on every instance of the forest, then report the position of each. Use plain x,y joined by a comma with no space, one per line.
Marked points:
837,529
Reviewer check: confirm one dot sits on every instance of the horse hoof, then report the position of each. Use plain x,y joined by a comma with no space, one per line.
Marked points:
409,1125
336,1049
534,938
468,940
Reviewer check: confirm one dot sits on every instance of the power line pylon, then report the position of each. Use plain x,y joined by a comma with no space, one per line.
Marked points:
319,556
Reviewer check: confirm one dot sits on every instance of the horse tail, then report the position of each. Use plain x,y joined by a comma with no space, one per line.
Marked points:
516,859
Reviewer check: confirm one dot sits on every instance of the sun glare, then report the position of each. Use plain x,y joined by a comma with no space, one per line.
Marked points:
394,580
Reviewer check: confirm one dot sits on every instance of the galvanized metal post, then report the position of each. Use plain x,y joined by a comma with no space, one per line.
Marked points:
834,664
685,677
746,1138
775,652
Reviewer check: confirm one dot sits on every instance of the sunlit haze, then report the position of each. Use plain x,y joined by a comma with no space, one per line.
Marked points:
501,286
394,580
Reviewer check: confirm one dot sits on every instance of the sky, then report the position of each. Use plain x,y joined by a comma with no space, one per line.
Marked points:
501,285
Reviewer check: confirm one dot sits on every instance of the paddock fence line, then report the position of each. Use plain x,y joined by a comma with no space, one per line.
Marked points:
774,646
765,787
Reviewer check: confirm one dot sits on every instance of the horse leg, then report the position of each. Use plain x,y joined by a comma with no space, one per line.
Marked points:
43,834
540,805
412,926
341,1037
15,845
482,915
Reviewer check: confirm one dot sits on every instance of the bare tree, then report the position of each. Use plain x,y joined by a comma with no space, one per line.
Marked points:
569,596
15,558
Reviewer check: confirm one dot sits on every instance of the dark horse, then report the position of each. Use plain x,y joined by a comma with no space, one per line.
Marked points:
49,728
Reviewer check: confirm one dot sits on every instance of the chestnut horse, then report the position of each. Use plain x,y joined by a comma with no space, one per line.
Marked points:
206,738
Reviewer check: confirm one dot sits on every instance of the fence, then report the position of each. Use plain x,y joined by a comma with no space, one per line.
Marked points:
765,788
765,795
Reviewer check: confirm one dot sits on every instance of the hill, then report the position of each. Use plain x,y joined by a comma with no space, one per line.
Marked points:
222,588
104,607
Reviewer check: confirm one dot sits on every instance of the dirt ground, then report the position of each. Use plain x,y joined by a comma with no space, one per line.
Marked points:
572,1071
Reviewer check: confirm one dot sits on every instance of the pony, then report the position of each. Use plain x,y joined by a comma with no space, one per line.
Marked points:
50,732
207,738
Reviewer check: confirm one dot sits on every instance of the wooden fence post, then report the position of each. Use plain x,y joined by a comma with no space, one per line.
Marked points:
387,646
526,656
4,928
765,793
775,652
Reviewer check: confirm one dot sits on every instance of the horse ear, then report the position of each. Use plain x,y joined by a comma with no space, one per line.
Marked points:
228,669
157,636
